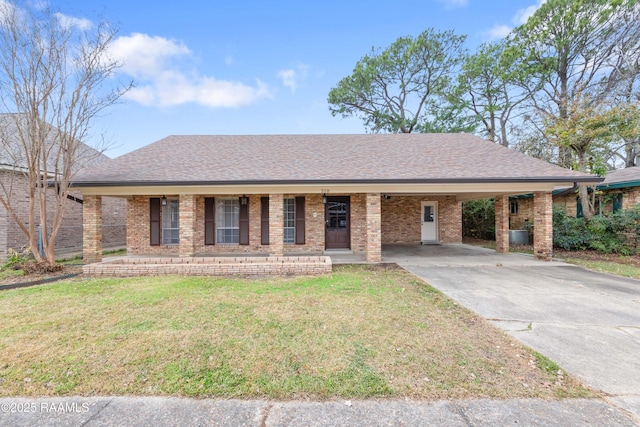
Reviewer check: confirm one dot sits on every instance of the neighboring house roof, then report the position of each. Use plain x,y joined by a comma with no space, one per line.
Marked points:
621,178
269,159
12,151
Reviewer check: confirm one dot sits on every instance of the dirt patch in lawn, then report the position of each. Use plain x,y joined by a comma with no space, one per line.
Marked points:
10,279
360,332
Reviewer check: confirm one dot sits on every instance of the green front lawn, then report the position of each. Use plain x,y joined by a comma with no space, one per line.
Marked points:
359,332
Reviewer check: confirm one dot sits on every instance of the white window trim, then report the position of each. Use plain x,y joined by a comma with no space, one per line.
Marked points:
166,209
220,213
289,201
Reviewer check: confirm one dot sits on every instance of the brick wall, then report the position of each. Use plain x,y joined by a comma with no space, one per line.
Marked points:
69,237
400,222
401,219
92,229
631,198
138,226
195,266
524,215
543,226
502,223
374,229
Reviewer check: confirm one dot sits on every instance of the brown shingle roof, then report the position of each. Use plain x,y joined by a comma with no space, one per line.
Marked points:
338,158
622,175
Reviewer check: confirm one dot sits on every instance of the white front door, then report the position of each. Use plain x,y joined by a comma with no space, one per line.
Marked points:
429,219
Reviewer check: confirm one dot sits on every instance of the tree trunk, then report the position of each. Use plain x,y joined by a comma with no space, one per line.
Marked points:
585,202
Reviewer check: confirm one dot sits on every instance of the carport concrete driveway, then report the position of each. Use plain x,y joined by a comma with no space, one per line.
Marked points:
588,323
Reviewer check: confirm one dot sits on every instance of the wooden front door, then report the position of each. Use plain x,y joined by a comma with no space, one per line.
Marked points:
337,227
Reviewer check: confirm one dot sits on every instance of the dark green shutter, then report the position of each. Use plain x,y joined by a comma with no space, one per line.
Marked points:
154,216
264,220
244,223
617,202
300,220
209,221
579,213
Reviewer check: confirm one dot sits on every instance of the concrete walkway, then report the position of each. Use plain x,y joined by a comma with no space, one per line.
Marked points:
588,323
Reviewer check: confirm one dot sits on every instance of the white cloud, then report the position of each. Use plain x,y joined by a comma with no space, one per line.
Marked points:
523,15
70,21
292,76
497,32
157,65
455,3
520,17
288,78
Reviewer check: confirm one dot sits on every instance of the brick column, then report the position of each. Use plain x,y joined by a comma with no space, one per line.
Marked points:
187,225
276,225
92,229
373,250
502,224
543,225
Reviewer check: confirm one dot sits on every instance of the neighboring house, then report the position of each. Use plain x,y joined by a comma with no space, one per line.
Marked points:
309,194
619,190
13,180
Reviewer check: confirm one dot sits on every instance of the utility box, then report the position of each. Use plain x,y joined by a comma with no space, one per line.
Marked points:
518,237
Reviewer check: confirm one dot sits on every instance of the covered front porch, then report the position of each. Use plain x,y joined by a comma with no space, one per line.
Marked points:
290,228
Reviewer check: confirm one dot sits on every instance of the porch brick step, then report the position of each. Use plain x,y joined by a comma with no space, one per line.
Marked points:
210,266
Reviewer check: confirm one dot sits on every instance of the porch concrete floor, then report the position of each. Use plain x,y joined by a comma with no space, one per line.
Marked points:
406,253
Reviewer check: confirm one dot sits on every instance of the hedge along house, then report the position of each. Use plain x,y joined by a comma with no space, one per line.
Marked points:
282,195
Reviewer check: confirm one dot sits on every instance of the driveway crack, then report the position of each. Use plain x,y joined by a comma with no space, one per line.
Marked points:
460,411
97,413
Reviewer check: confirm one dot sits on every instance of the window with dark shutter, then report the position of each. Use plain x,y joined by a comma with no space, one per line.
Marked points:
244,223
264,220
154,217
300,220
209,221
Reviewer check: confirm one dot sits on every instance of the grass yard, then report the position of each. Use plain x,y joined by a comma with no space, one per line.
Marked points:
359,332
610,267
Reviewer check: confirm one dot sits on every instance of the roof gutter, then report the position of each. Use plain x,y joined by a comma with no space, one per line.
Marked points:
81,184
568,190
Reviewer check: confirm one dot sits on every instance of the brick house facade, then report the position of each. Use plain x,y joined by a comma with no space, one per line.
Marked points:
293,196
619,190
69,239
14,188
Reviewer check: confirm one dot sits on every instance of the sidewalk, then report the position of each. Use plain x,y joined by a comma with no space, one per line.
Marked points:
169,411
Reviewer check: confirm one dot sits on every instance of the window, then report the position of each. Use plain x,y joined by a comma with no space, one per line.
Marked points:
171,222
513,207
227,221
289,221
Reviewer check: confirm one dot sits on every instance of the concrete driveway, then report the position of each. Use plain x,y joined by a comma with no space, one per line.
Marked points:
588,323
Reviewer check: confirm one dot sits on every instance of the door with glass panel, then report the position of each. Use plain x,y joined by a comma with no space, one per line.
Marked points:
337,227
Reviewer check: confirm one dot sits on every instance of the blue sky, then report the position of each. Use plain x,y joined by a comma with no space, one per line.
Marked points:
259,67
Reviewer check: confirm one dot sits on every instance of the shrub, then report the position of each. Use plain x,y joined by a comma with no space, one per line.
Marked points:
15,259
479,219
569,233
617,233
